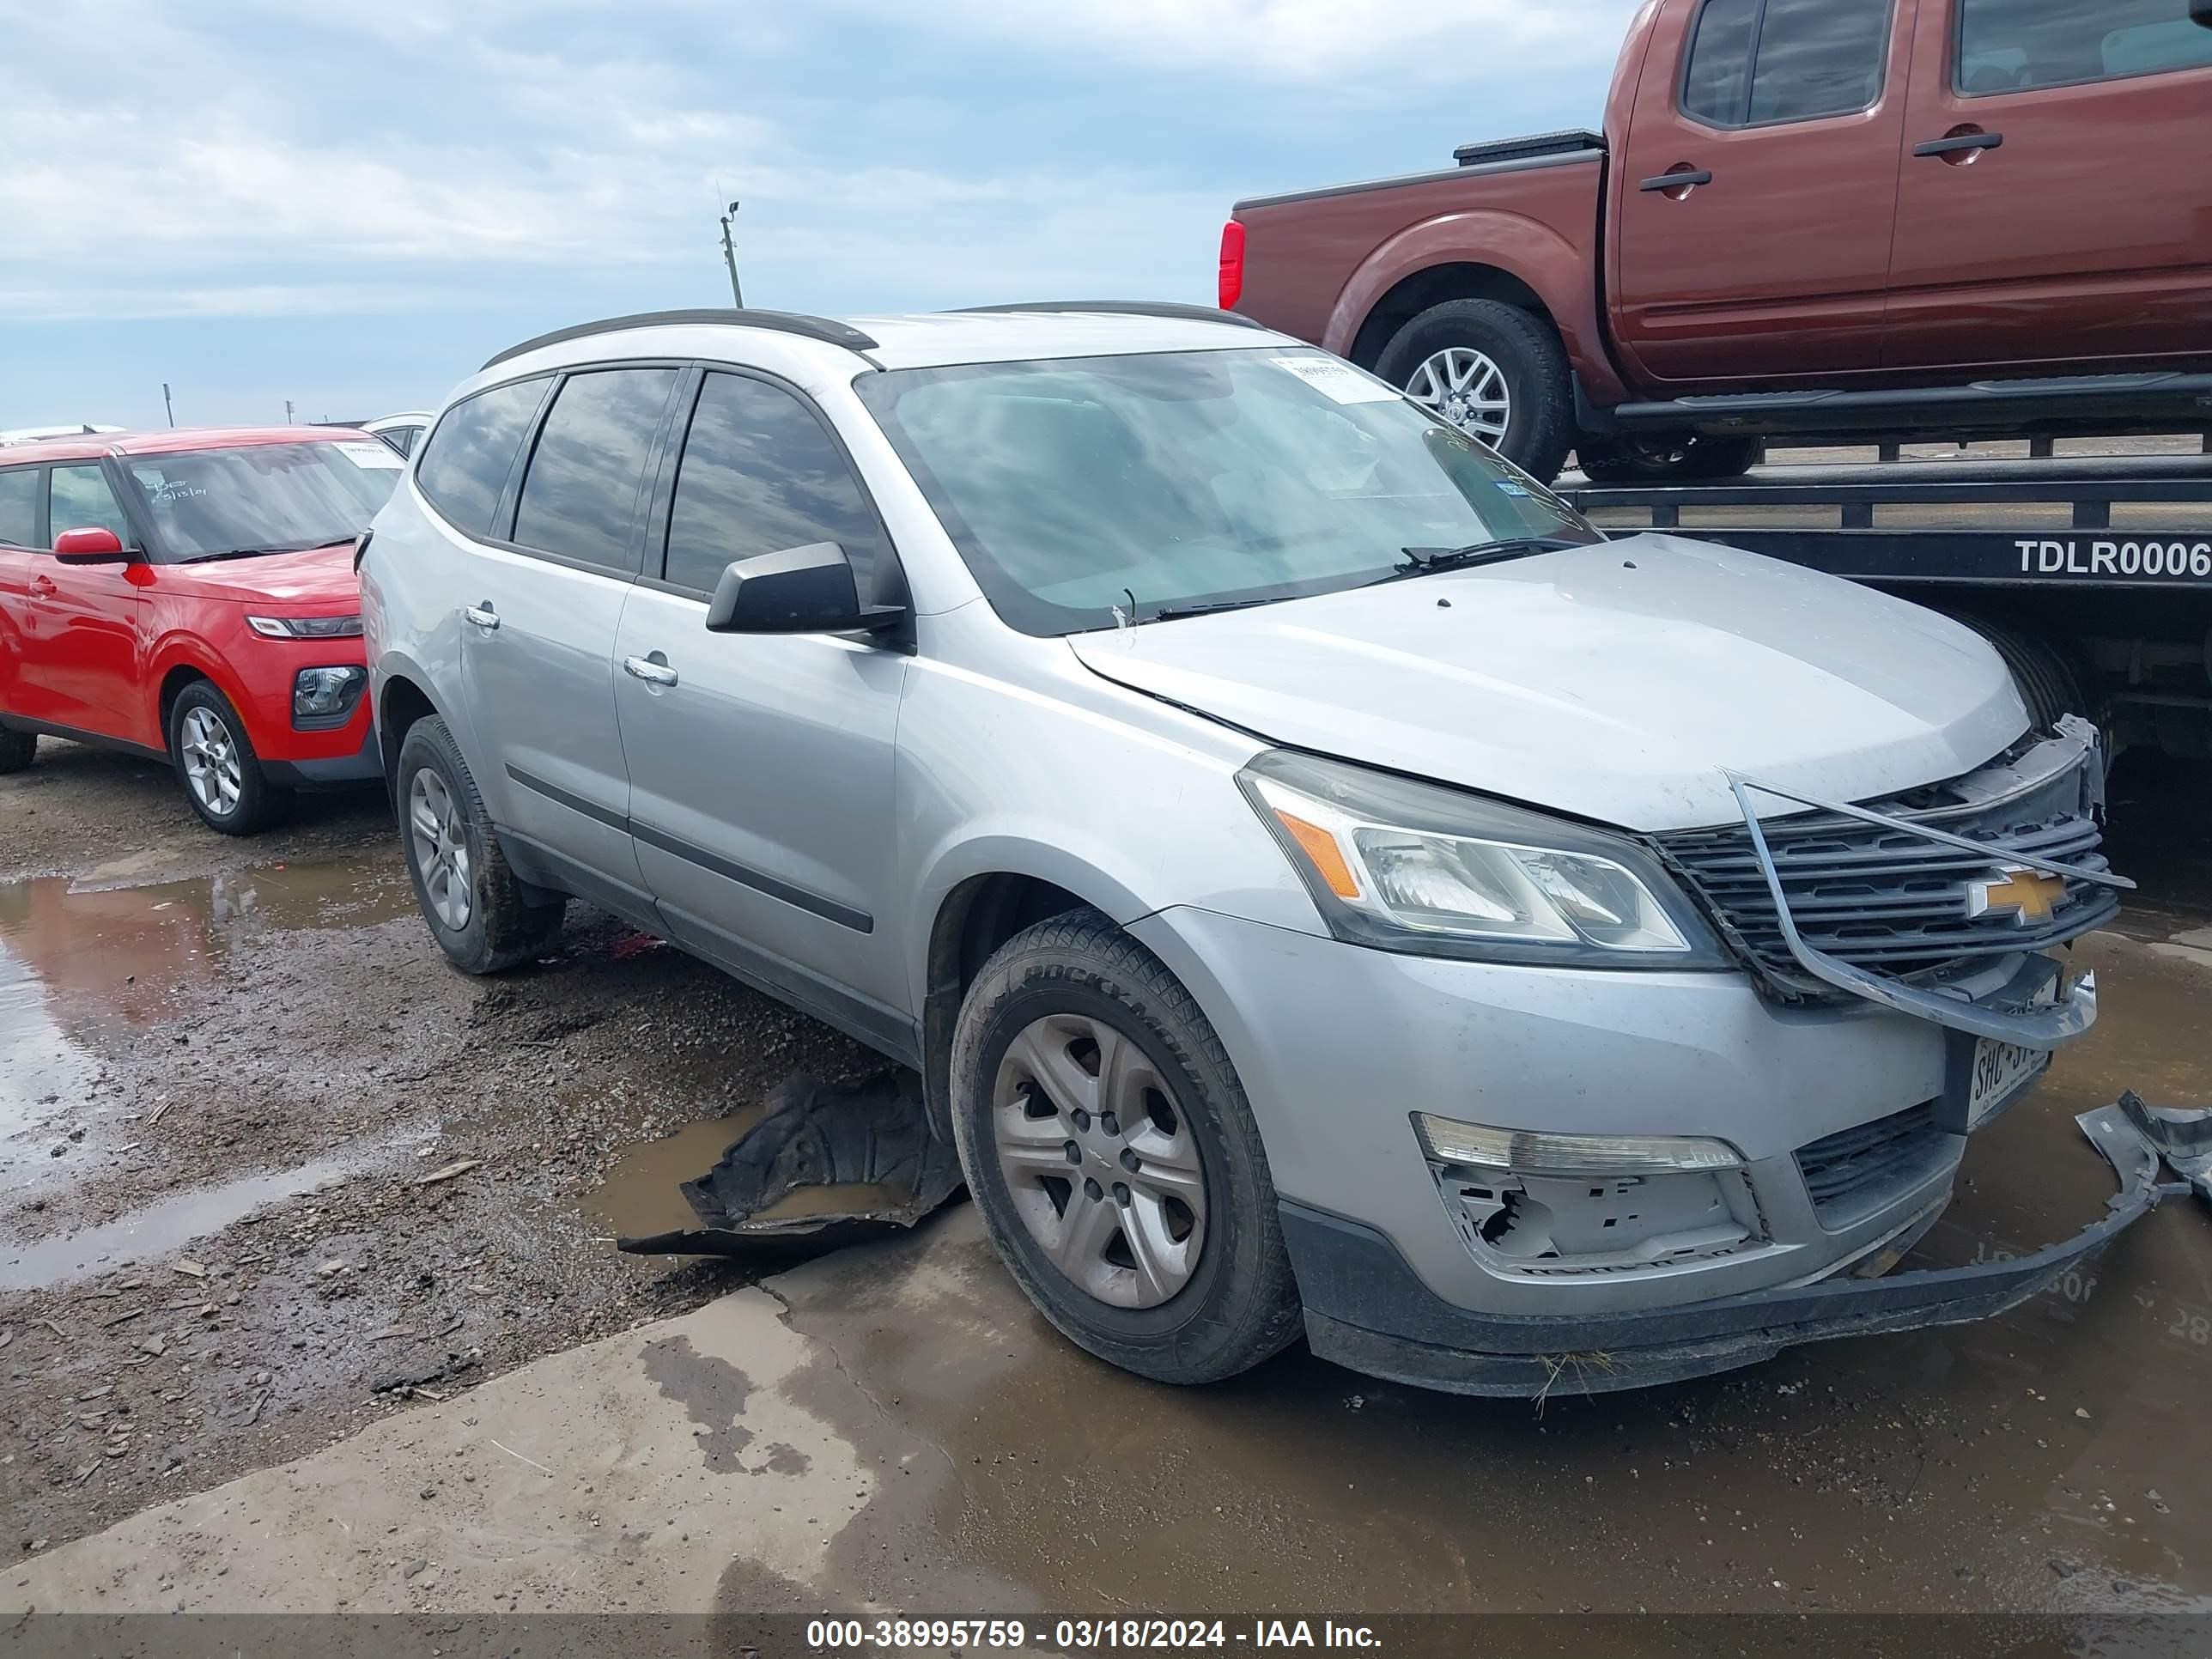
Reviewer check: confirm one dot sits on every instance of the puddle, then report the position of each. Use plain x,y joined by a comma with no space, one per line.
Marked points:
160,1228
641,1196
96,958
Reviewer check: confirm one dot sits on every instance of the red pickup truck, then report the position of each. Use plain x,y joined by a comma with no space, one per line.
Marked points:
1848,218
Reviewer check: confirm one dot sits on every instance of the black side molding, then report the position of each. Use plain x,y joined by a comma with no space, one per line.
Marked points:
2020,403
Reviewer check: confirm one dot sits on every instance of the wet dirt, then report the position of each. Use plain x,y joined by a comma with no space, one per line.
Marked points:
241,1057
2042,1461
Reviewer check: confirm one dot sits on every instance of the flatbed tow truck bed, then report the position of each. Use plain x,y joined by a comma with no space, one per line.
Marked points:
2092,572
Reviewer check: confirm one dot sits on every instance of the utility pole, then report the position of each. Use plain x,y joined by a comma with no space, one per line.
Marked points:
169,407
287,411
730,257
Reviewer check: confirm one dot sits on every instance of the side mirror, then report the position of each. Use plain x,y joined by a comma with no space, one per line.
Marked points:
801,590
92,545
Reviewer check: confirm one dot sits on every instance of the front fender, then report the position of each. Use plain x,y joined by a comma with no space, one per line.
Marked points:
183,648
1561,274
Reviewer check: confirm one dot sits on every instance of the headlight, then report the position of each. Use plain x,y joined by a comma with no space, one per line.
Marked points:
327,694
1417,867
306,628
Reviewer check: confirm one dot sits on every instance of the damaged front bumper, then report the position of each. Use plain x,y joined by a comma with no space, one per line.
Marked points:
1366,1309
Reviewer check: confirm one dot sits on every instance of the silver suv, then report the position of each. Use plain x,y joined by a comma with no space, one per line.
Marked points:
1325,885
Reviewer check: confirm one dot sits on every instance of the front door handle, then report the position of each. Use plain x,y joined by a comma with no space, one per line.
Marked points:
483,616
653,670
1960,145
42,588
1684,180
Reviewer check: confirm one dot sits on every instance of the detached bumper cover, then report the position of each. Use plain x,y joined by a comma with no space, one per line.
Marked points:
1366,1309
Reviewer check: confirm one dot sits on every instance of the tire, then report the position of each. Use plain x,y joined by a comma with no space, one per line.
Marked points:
2051,683
1220,1298
1687,457
17,751
476,907
1539,423
220,774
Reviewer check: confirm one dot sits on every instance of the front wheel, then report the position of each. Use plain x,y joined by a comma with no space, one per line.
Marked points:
221,775
1495,372
1687,457
1114,1156
478,910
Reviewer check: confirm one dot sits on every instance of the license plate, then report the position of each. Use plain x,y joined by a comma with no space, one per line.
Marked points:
2000,1071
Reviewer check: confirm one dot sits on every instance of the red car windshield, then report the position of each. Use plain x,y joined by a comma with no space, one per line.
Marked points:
262,498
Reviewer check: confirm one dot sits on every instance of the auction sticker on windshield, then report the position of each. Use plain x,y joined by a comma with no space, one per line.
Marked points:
376,453
1342,381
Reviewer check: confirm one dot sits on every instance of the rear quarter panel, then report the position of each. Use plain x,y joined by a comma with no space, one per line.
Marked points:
411,618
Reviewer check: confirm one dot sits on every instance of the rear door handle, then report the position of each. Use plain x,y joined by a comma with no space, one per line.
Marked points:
1959,142
42,588
653,670
1677,181
483,616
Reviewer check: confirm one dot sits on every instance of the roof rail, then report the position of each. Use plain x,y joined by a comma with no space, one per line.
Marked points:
824,329
1132,308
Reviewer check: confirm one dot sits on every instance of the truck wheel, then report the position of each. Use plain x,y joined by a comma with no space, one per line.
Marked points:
1689,456
1110,1149
2052,682
16,749
1495,372
476,906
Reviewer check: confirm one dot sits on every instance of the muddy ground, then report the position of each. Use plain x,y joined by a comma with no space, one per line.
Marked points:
230,1073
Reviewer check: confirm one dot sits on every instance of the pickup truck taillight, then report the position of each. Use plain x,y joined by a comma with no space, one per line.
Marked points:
1232,263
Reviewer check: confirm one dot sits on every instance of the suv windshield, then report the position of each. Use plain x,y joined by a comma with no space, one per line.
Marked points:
262,498
1178,481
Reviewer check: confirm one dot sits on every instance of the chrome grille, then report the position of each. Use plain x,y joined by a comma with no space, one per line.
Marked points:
1889,902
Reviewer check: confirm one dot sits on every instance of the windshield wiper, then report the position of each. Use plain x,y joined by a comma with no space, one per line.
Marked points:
1177,612
1420,561
262,552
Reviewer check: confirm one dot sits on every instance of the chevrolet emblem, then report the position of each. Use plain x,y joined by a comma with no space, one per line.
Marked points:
2023,895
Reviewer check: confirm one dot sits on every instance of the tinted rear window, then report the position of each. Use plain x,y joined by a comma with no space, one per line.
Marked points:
2013,45
463,468
1805,59
19,507
760,475
580,496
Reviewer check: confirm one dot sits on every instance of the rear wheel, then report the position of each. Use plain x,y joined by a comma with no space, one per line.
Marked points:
1493,370
478,910
1685,457
1114,1160
17,750
221,775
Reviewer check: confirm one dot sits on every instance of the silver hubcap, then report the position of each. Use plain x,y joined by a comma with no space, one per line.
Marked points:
435,832
1101,1160
1465,387
211,762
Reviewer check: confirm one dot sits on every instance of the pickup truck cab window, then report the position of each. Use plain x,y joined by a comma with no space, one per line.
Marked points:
19,507
760,473
2017,45
80,498
1083,488
1762,63
579,497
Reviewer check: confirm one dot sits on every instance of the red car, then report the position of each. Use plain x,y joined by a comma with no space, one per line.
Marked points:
190,596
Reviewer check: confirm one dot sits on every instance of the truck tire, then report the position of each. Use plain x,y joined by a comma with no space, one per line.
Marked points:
1495,372
1686,458
2052,681
1114,1160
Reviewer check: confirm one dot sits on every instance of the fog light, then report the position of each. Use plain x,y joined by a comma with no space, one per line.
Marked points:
1526,1153
323,693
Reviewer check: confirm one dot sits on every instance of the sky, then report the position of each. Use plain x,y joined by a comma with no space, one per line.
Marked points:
351,207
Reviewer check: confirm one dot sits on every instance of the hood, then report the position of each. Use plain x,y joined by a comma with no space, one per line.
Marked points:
322,576
1612,682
